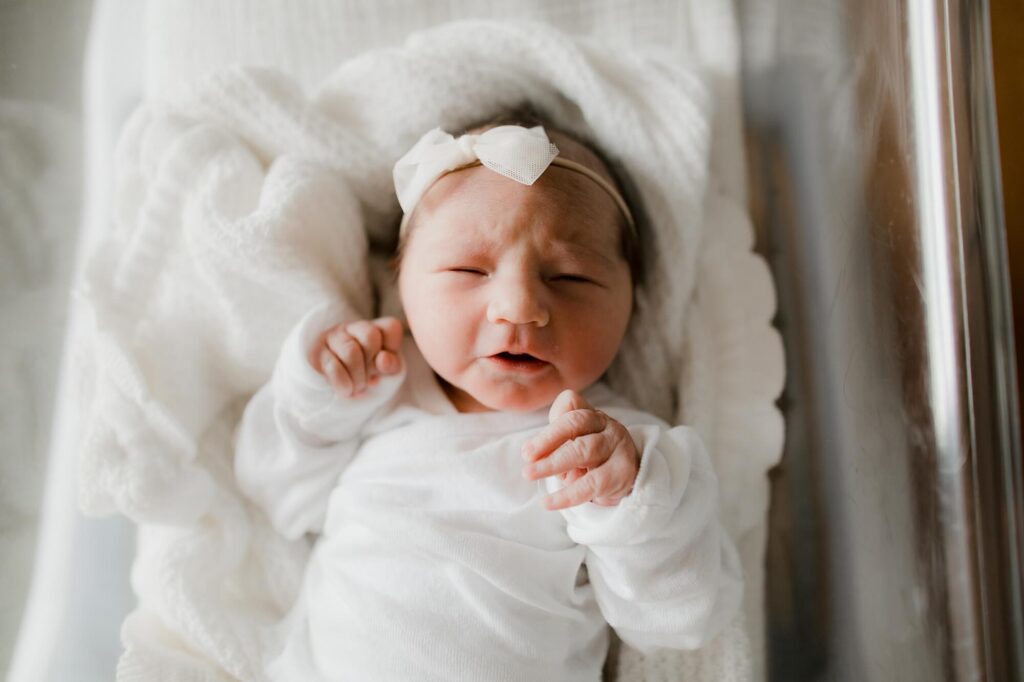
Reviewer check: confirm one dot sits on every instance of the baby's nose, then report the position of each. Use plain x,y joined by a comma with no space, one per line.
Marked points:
517,303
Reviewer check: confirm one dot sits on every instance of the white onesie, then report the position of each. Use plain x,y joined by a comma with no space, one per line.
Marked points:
436,559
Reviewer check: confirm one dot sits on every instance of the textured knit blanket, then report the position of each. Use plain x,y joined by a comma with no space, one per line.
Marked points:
240,207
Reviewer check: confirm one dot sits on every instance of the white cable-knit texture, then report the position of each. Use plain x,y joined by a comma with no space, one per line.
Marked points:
242,206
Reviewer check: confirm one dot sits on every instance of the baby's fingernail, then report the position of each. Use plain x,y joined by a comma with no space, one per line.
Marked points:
388,363
526,451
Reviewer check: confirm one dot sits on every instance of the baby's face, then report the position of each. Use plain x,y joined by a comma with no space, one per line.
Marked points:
493,268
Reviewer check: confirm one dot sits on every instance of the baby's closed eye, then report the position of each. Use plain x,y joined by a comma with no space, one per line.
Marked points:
571,278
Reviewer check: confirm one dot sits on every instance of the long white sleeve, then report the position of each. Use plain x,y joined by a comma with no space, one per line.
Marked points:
664,572
297,434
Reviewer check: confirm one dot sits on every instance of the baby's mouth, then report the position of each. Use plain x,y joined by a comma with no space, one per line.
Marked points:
525,357
519,362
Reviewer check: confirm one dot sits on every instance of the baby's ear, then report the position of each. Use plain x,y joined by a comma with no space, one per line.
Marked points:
567,401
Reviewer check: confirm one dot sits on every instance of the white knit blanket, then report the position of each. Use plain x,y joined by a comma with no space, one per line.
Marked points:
244,205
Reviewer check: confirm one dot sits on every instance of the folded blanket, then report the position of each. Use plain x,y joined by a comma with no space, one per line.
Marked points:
241,206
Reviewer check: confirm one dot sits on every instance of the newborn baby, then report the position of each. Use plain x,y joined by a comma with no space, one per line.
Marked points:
486,505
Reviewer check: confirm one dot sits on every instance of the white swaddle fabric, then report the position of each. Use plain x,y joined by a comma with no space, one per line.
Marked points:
241,206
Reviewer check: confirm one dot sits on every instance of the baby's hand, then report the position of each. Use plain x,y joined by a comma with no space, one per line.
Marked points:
353,356
594,453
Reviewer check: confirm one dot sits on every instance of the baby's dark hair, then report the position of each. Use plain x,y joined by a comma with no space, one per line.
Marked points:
527,115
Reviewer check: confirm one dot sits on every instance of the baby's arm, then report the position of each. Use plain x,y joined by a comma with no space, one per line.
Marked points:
302,428
664,572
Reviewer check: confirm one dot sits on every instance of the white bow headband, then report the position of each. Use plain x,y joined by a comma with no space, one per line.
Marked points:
512,151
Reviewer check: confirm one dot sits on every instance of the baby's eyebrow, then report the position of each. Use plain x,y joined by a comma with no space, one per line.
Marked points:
580,253
461,249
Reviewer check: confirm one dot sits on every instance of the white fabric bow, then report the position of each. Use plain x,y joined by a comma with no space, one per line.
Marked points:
522,154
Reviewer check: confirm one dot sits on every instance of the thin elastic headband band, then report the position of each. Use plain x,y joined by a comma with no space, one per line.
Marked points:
568,165
518,153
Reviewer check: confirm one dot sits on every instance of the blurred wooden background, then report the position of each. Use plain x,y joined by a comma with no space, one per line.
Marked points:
1008,61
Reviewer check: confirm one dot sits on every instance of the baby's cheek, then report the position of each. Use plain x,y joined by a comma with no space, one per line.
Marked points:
444,337
597,354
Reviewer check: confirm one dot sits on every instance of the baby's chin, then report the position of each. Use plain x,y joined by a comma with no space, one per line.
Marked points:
525,404
517,400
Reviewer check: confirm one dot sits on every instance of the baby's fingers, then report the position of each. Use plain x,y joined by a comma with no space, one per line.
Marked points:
570,425
388,362
391,328
371,338
335,372
582,490
349,351
571,476
585,452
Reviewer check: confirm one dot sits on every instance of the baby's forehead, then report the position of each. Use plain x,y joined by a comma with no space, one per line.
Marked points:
579,245
569,237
